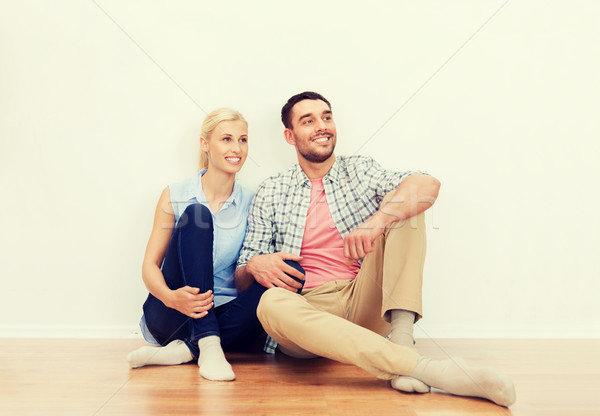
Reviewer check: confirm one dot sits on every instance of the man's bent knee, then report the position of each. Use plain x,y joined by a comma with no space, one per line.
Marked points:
268,304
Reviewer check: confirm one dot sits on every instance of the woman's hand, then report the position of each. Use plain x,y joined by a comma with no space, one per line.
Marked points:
190,302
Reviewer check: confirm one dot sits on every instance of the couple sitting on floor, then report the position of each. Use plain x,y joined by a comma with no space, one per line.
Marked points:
327,257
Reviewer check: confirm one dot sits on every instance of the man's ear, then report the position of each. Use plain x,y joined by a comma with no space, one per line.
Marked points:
289,137
204,144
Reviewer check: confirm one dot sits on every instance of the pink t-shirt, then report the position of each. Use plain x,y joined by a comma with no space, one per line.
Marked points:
322,245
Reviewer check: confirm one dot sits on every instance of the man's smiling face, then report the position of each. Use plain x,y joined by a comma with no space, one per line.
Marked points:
313,130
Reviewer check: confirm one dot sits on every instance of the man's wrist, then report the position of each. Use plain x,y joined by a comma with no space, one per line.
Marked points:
381,220
387,215
243,270
249,264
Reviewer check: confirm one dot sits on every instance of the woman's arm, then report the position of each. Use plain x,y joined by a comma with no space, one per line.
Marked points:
186,300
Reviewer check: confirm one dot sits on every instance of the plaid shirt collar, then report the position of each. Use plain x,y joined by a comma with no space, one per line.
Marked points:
333,176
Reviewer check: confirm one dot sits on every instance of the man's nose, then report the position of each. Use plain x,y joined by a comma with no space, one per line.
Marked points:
320,124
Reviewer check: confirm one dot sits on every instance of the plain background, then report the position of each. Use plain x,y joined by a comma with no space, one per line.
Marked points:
101,104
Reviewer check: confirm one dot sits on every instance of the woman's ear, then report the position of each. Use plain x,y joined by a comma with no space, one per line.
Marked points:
204,144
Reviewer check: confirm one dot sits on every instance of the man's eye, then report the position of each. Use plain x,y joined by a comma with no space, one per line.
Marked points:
308,122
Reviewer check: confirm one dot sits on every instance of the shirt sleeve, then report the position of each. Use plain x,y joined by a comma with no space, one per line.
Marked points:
260,234
382,181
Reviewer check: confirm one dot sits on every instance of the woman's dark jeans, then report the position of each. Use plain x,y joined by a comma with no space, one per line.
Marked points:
189,262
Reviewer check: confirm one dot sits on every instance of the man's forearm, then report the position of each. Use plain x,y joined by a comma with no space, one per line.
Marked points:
415,194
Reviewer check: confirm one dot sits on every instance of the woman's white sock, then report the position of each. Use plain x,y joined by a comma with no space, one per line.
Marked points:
212,362
176,352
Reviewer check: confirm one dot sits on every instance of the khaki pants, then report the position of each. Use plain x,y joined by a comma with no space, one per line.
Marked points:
347,321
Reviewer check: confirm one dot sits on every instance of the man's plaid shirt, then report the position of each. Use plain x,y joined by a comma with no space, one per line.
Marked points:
354,188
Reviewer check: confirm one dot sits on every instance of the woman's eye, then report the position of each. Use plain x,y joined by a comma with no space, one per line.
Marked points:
243,140
227,139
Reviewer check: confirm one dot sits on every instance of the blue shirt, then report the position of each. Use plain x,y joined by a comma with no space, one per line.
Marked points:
229,229
229,226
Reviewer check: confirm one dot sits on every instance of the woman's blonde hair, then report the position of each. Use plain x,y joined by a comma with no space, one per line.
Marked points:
211,121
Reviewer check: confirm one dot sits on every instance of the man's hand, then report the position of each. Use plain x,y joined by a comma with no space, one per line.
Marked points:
189,302
359,242
270,271
415,194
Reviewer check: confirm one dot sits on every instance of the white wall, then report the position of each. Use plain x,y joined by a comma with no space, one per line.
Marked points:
101,104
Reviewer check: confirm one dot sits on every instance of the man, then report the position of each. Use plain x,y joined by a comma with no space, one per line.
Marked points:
358,232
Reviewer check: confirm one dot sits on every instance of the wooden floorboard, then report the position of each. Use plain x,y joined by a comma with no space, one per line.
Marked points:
91,377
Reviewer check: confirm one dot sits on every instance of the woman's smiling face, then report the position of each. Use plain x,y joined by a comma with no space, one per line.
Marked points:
227,146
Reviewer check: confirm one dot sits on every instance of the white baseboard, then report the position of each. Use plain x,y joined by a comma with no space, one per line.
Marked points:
422,330
67,331
587,331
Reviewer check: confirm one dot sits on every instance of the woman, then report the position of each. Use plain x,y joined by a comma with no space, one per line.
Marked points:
193,309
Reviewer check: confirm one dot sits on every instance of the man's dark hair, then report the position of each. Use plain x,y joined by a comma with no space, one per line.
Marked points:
287,108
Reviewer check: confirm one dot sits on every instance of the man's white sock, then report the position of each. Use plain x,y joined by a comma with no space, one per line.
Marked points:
176,352
212,362
456,377
402,322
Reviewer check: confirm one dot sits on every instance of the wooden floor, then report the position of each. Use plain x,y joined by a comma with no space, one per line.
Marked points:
91,377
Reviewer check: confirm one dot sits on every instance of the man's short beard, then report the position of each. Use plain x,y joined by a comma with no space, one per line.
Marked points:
315,157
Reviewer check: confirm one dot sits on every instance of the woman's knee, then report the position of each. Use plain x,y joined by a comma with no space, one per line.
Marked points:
198,215
295,265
